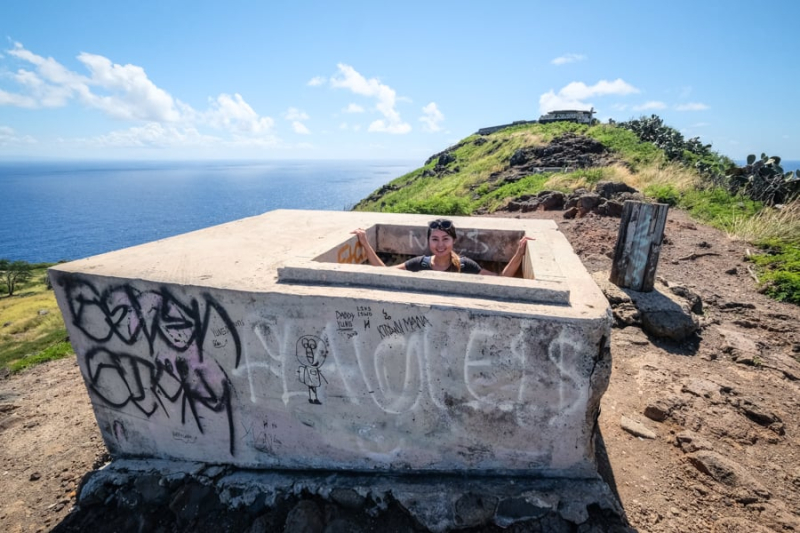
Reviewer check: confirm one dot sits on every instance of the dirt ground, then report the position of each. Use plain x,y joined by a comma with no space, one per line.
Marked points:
726,452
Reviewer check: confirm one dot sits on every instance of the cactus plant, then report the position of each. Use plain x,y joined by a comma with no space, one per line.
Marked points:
763,179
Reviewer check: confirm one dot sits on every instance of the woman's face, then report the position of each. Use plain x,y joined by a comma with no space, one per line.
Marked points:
440,243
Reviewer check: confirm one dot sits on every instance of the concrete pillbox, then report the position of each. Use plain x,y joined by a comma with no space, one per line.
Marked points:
263,343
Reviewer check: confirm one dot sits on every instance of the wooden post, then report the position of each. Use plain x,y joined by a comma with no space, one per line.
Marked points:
638,245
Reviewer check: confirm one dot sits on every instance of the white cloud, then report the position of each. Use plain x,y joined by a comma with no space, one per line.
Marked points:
299,127
353,108
45,94
699,125
316,81
295,114
568,58
691,106
120,91
16,100
234,114
343,126
572,96
134,96
386,97
620,107
151,135
380,126
650,105
431,118
125,92
10,137
579,90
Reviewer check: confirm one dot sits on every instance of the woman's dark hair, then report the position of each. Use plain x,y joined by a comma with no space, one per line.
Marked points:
446,226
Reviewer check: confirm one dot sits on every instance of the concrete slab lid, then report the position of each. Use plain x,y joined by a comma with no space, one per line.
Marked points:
246,254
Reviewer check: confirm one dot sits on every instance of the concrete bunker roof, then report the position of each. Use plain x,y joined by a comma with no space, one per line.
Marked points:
290,251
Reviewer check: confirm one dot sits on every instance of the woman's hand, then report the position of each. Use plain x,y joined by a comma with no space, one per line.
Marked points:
372,257
360,233
523,245
511,268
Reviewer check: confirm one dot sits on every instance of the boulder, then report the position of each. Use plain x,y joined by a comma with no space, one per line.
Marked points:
636,429
730,474
610,189
661,314
305,516
661,408
445,159
551,201
572,212
610,208
519,158
588,201
691,442
691,297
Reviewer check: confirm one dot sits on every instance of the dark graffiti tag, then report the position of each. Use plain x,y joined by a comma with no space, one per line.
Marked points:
129,314
175,369
403,326
121,379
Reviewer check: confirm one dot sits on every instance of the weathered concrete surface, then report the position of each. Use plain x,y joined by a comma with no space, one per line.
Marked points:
192,491
193,348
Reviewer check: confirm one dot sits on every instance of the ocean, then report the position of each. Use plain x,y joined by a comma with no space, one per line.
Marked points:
57,211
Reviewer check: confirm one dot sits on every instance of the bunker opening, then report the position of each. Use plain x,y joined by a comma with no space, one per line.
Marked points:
395,244
492,249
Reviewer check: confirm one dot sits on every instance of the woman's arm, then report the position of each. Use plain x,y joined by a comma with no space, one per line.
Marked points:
372,257
513,265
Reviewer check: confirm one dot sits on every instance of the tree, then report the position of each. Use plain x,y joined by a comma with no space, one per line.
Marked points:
14,273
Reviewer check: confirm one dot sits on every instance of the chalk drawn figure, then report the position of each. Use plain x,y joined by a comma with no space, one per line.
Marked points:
311,353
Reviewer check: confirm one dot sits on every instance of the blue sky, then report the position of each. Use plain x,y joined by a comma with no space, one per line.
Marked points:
376,80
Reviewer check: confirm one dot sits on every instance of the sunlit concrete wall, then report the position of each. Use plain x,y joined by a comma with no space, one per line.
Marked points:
243,344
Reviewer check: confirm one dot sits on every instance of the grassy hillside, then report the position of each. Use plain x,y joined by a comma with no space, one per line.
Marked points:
477,176
31,327
465,186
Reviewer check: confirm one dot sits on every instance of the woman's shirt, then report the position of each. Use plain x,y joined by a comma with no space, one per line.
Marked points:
423,262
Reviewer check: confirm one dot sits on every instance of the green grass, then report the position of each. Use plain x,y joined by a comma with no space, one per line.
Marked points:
477,161
664,193
469,187
528,185
779,269
51,353
716,207
624,142
31,326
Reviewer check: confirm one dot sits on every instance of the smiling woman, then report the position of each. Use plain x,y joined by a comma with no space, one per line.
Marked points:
441,238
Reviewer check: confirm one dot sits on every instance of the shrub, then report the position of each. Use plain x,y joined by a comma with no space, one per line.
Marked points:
664,193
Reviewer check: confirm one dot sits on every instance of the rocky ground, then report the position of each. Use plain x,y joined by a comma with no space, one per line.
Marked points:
699,435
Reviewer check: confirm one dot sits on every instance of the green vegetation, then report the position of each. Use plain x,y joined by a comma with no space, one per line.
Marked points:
476,175
781,270
14,274
31,327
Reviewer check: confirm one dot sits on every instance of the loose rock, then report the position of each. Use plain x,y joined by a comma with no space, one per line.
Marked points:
636,429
